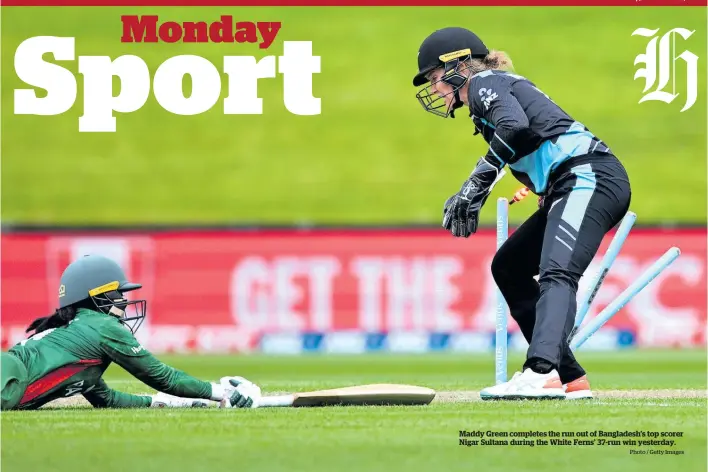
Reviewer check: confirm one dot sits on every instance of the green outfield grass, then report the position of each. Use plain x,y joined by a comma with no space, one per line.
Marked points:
373,155
370,439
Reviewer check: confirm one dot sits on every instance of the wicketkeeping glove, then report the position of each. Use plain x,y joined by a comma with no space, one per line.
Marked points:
461,211
239,393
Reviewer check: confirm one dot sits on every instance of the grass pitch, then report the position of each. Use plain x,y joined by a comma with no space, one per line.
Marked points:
671,385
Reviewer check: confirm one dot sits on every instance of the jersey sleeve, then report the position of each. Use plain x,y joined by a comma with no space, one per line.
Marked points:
102,396
123,349
492,98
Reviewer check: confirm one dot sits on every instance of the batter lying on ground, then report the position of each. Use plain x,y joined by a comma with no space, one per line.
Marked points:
71,349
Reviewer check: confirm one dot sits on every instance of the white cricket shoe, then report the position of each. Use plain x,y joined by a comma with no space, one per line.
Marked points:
527,386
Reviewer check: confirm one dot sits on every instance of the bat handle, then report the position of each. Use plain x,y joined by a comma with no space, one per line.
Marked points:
276,401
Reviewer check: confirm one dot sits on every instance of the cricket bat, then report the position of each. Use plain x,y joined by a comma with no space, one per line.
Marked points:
374,394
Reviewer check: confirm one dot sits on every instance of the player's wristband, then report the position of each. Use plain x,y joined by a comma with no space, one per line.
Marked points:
217,392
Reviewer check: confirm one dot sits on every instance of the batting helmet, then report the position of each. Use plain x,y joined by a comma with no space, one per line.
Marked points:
103,281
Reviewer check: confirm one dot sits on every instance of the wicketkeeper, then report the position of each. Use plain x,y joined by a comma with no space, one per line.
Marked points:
94,326
585,192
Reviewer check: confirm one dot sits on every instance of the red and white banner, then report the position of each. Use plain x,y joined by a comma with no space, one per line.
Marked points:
220,290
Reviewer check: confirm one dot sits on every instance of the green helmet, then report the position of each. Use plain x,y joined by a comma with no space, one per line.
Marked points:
101,280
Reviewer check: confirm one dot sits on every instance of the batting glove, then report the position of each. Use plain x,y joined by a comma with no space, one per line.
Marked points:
239,393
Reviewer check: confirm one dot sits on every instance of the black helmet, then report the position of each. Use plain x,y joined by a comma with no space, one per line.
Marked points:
446,48
102,281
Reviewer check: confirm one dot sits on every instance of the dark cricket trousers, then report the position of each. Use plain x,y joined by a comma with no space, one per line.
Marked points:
588,195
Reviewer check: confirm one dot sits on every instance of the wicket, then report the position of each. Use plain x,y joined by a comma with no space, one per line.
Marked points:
501,341
637,286
579,335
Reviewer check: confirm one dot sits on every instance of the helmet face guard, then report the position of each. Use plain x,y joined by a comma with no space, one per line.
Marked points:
130,312
454,64
110,300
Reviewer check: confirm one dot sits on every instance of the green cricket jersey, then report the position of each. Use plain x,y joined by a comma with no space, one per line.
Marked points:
71,359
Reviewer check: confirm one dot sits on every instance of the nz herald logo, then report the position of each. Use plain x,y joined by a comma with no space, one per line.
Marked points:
660,62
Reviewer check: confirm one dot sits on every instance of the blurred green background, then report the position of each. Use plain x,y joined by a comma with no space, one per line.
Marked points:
373,156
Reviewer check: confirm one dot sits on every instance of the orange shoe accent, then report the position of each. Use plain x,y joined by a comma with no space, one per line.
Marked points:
581,383
553,383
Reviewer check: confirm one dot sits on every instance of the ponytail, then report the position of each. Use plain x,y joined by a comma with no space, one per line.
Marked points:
60,318
498,60
495,60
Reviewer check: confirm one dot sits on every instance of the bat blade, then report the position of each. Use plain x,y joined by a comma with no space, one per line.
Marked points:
361,395
374,394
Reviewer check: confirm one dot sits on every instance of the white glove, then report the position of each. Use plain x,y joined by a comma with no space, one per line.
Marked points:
239,393
163,400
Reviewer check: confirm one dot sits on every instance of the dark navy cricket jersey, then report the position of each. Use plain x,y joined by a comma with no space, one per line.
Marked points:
524,128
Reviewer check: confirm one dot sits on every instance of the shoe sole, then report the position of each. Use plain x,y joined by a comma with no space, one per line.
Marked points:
552,394
579,395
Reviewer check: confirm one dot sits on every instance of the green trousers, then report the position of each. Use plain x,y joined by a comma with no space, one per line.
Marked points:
13,382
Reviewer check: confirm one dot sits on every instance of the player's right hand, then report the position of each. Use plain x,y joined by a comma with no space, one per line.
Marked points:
461,211
239,393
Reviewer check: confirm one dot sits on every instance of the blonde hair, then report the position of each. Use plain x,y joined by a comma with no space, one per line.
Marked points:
498,60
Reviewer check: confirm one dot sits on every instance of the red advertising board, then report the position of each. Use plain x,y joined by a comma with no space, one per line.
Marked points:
220,290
